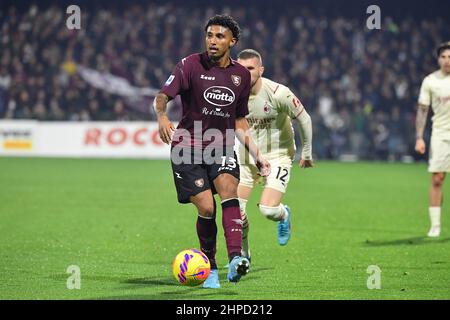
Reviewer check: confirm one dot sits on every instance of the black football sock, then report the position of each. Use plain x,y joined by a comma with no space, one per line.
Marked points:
207,234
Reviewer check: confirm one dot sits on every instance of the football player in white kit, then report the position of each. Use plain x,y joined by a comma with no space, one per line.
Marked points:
272,107
435,91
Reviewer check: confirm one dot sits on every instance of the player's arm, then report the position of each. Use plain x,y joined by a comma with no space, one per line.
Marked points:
166,127
304,123
422,112
291,105
177,83
421,121
242,133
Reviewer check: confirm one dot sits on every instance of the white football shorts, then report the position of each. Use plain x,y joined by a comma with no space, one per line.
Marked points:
278,178
439,160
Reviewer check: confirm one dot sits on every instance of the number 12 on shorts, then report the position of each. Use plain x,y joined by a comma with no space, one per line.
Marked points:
282,173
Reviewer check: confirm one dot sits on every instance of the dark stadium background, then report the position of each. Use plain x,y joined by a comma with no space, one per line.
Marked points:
118,219
321,50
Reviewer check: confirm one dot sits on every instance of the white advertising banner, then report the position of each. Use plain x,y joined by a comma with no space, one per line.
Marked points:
82,139
18,137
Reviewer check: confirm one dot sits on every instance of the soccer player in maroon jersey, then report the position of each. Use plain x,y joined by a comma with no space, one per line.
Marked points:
214,91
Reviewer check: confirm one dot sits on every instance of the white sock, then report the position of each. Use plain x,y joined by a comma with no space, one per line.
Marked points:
435,216
245,227
284,213
243,204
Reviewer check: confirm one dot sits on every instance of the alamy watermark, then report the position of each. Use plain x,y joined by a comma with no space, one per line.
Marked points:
374,20
74,20
74,280
213,146
374,279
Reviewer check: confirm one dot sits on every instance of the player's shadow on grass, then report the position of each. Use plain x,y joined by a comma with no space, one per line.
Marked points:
139,282
178,293
60,276
416,241
151,282
195,293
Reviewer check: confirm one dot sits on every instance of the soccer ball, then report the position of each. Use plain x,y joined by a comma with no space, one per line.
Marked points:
191,267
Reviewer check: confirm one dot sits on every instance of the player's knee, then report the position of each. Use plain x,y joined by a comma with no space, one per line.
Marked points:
271,213
437,181
205,207
206,211
269,202
226,186
228,192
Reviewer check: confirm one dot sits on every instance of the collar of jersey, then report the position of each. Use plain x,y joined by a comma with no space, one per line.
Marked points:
207,62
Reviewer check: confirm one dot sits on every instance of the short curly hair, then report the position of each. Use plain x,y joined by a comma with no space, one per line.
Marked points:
227,22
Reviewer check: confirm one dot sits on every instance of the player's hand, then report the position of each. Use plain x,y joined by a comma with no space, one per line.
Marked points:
420,146
263,167
166,129
306,163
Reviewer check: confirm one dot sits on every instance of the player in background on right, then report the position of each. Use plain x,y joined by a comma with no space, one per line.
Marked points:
435,91
272,107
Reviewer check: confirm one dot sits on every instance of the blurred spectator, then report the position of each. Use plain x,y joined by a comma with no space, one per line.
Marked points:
359,85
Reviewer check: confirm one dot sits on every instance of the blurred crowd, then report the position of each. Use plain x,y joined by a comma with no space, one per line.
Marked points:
359,85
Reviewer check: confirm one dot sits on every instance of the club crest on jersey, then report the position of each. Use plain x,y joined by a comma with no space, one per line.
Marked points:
199,183
266,108
236,80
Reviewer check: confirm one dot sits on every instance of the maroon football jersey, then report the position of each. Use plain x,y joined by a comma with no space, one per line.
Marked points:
212,98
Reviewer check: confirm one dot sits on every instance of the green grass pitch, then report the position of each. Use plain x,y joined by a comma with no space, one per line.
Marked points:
119,221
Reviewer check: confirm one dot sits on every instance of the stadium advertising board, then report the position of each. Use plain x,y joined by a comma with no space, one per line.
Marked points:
17,137
90,139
